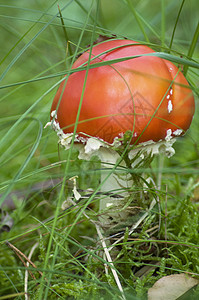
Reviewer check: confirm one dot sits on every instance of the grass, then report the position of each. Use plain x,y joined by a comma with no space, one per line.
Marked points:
66,257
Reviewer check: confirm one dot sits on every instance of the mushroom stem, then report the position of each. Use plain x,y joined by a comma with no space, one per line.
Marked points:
116,184
127,195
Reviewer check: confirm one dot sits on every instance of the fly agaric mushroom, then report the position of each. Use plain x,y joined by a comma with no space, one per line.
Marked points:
143,101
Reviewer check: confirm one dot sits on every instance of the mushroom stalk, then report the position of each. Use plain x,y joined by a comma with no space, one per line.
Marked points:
122,191
115,186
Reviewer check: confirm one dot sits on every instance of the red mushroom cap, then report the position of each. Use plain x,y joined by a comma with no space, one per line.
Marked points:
146,95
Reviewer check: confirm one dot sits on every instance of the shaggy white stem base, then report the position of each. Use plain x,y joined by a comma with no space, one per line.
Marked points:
116,185
117,205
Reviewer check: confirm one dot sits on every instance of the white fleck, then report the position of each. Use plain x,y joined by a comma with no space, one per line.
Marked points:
170,106
47,124
82,139
54,114
171,91
116,142
147,143
92,144
168,96
75,191
170,69
65,139
53,123
169,141
142,156
154,148
145,148
178,132
168,135
109,204
169,150
66,204
105,153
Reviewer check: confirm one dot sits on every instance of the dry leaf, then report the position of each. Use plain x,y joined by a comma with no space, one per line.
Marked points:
171,287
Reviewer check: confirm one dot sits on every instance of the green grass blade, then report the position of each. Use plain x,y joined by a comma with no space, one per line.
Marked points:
68,46
29,43
173,58
175,25
131,6
163,23
62,189
22,168
25,34
192,47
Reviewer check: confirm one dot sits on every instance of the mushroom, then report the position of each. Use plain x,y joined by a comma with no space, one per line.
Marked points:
131,109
